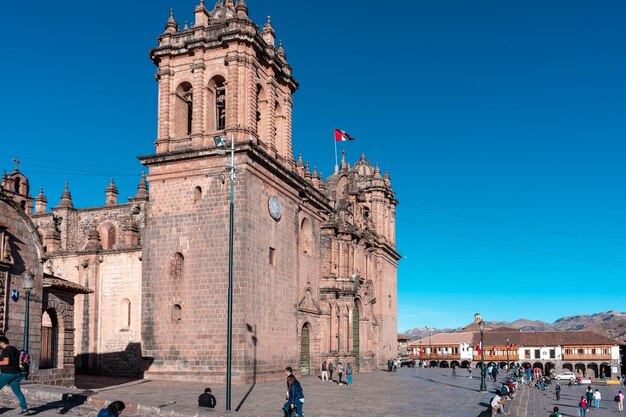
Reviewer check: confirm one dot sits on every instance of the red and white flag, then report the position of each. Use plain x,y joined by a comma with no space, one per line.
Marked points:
342,135
479,348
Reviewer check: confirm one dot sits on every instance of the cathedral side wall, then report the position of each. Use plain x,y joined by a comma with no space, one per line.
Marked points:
119,335
185,309
388,334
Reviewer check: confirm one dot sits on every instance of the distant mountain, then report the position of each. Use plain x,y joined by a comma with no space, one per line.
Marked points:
610,323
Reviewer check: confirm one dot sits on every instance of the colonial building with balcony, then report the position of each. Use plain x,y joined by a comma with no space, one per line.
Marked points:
584,352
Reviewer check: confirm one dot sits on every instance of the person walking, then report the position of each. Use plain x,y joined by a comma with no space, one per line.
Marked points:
339,372
453,371
494,373
11,372
589,397
295,400
324,371
596,399
582,406
557,391
349,374
619,398
331,368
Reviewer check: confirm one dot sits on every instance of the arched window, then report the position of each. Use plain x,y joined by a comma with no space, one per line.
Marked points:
197,194
279,124
111,236
306,236
177,313
49,339
125,313
16,183
261,112
177,265
183,110
216,101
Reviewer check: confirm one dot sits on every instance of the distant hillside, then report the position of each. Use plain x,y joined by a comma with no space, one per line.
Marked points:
610,323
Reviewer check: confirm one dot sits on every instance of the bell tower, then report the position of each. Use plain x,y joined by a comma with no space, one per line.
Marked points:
223,76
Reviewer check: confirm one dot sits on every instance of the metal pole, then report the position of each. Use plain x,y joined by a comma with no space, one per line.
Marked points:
483,387
508,365
26,321
229,345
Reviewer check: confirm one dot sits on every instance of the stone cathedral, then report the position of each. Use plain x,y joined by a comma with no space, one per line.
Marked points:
315,260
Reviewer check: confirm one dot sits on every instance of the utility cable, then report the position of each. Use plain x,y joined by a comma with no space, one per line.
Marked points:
513,246
536,229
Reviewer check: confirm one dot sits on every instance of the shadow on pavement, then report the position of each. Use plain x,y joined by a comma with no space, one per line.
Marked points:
64,406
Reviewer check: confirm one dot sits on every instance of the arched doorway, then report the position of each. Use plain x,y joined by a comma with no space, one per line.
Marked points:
49,339
592,370
465,364
443,364
305,350
580,367
455,364
605,369
549,367
356,345
568,366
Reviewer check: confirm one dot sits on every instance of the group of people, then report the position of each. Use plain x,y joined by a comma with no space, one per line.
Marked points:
328,368
393,365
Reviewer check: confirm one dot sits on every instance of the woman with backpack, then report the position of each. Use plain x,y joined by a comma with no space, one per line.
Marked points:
349,374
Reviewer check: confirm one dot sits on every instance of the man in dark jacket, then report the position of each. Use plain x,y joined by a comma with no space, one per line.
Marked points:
11,372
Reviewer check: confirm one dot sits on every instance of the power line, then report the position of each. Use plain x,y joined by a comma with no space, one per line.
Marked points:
73,174
57,161
509,245
536,229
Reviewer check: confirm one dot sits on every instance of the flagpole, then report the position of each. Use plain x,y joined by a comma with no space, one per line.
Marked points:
336,162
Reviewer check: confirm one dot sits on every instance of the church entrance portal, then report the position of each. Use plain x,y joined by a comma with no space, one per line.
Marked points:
305,351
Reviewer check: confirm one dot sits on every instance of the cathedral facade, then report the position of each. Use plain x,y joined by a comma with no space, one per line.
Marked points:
314,260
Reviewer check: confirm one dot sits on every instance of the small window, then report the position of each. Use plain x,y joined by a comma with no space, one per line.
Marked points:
197,194
552,354
111,237
272,256
537,354
581,351
177,313
527,354
125,313
177,265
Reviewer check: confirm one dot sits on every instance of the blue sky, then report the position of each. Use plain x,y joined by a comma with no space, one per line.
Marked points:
502,125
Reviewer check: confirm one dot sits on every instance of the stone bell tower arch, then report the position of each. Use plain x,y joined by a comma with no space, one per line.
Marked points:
223,76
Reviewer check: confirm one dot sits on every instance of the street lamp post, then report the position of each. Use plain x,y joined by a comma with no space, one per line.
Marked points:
430,341
483,387
231,168
28,279
508,365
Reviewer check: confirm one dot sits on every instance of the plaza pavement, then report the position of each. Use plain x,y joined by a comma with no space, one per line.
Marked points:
409,392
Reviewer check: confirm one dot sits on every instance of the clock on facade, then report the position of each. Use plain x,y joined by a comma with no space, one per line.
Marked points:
273,205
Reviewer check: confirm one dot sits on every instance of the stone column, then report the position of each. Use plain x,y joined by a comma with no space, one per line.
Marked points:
350,329
333,330
232,91
165,79
271,116
287,130
199,101
341,331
